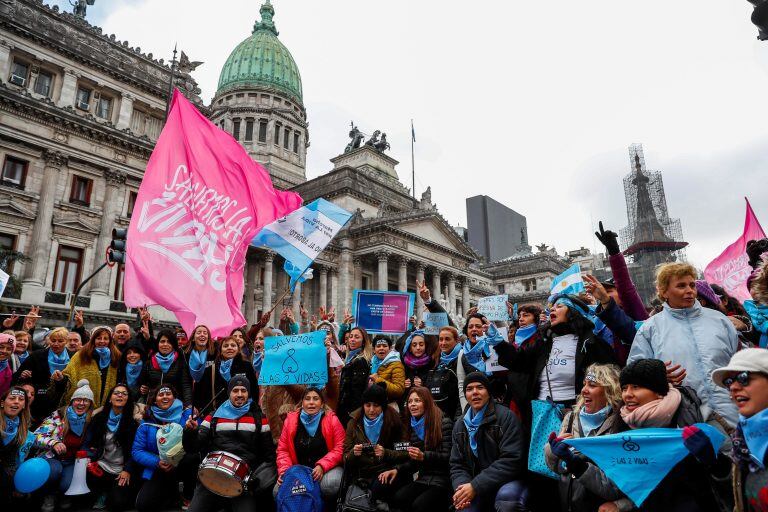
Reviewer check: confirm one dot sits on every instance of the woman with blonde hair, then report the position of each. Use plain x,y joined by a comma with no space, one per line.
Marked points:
692,339
354,374
97,362
596,413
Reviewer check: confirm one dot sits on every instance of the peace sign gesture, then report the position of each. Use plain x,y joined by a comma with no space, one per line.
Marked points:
423,290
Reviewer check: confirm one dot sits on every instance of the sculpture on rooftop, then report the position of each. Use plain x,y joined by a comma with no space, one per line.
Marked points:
80,7
356,136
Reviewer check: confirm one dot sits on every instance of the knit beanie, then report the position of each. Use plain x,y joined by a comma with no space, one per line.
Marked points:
376,394
705,291
7,338
83,390
646,373
239,380
480,377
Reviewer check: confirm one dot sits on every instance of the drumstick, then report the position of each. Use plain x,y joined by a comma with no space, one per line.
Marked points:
208,404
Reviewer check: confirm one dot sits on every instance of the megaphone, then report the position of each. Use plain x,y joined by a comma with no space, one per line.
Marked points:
78,485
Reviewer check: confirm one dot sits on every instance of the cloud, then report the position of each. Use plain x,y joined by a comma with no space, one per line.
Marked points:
533,103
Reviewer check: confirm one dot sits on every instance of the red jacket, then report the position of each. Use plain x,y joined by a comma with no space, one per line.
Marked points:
332,432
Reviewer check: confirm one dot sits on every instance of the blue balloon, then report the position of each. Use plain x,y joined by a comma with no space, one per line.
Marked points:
32,475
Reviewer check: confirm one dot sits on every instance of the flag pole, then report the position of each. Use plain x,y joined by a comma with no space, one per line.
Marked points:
279,300
413,167
170,83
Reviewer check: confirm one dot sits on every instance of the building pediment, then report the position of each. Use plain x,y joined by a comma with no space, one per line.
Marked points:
70,224
15,210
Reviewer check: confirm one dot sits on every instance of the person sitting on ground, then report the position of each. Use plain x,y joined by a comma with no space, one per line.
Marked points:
387,369
487,450
238,427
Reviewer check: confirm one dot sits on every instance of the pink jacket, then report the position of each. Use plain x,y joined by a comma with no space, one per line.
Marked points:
332,432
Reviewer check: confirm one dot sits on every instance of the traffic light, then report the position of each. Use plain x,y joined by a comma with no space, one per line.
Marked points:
116,252
760,18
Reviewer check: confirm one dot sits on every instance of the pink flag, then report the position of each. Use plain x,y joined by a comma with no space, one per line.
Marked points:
201,202
731,269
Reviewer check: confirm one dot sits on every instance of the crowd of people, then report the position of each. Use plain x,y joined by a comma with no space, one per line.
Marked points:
421,422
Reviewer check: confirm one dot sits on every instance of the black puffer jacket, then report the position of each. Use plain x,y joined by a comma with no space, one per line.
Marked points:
443,384
435,469
499,452
45,401
247,437
352,384
95,438
177,375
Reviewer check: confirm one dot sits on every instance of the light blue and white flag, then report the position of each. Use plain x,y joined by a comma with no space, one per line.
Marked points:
3,282
569,282
301,236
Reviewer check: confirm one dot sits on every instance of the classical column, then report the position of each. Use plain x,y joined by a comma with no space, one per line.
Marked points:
111,208
345,277
452,293
436,291
35,272
251,282
296,303
402,274
323,286
5,57
420,279
126,111
335,291
358,263
465,295
68,89
266,295
383,280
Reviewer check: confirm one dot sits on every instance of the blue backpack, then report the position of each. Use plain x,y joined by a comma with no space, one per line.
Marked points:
299,492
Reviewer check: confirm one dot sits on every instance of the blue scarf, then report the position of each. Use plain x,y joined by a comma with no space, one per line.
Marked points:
258,359
76,422
11,429
132,372
351,355
758,313
310,421
105,356
523,334
225,366
228,411
114,420
23,356
417,332
418,426
472,422
57,362
446,359
165,362
755,430
600,329
573,307
373,427
391,357
474,355
171,414
197,360
592,421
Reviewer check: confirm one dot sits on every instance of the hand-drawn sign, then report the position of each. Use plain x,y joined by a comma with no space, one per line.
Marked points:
298,359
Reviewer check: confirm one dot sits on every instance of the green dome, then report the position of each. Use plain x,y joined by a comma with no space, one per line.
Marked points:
262,61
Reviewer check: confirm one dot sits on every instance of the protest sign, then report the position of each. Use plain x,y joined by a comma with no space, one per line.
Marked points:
494,307
434,321
381,312
3,282
638,460
492,363
297,359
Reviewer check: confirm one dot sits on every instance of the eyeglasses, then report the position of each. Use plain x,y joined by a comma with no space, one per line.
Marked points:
80,401
120,393
742,378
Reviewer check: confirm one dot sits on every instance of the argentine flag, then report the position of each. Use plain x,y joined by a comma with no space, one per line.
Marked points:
301,236
568,282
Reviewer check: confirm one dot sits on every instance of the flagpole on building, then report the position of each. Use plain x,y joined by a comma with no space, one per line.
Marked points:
170,83
413,166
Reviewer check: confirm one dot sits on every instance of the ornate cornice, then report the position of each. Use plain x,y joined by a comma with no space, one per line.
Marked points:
114,177
55,159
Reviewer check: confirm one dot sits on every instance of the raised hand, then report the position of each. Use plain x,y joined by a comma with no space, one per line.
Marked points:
304,313
8,322
596,289
609,239
423,291
332,314
79,321
31,319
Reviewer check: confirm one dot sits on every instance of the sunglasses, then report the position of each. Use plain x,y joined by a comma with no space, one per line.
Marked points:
742,378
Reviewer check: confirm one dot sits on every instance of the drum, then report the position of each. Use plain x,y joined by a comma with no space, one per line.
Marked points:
224,473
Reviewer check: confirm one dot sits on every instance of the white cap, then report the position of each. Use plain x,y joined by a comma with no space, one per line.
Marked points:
745,360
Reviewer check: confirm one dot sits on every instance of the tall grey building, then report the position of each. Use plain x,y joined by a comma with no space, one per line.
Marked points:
495,231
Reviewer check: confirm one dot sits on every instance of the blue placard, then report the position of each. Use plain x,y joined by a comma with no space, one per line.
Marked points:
433,322
494,308
380,312
297,359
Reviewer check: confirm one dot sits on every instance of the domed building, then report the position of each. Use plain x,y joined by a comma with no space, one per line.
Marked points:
259,101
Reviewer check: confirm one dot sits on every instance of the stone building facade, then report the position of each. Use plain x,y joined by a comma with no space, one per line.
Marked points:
80,112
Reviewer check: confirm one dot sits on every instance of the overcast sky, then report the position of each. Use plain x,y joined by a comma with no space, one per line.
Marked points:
532,103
